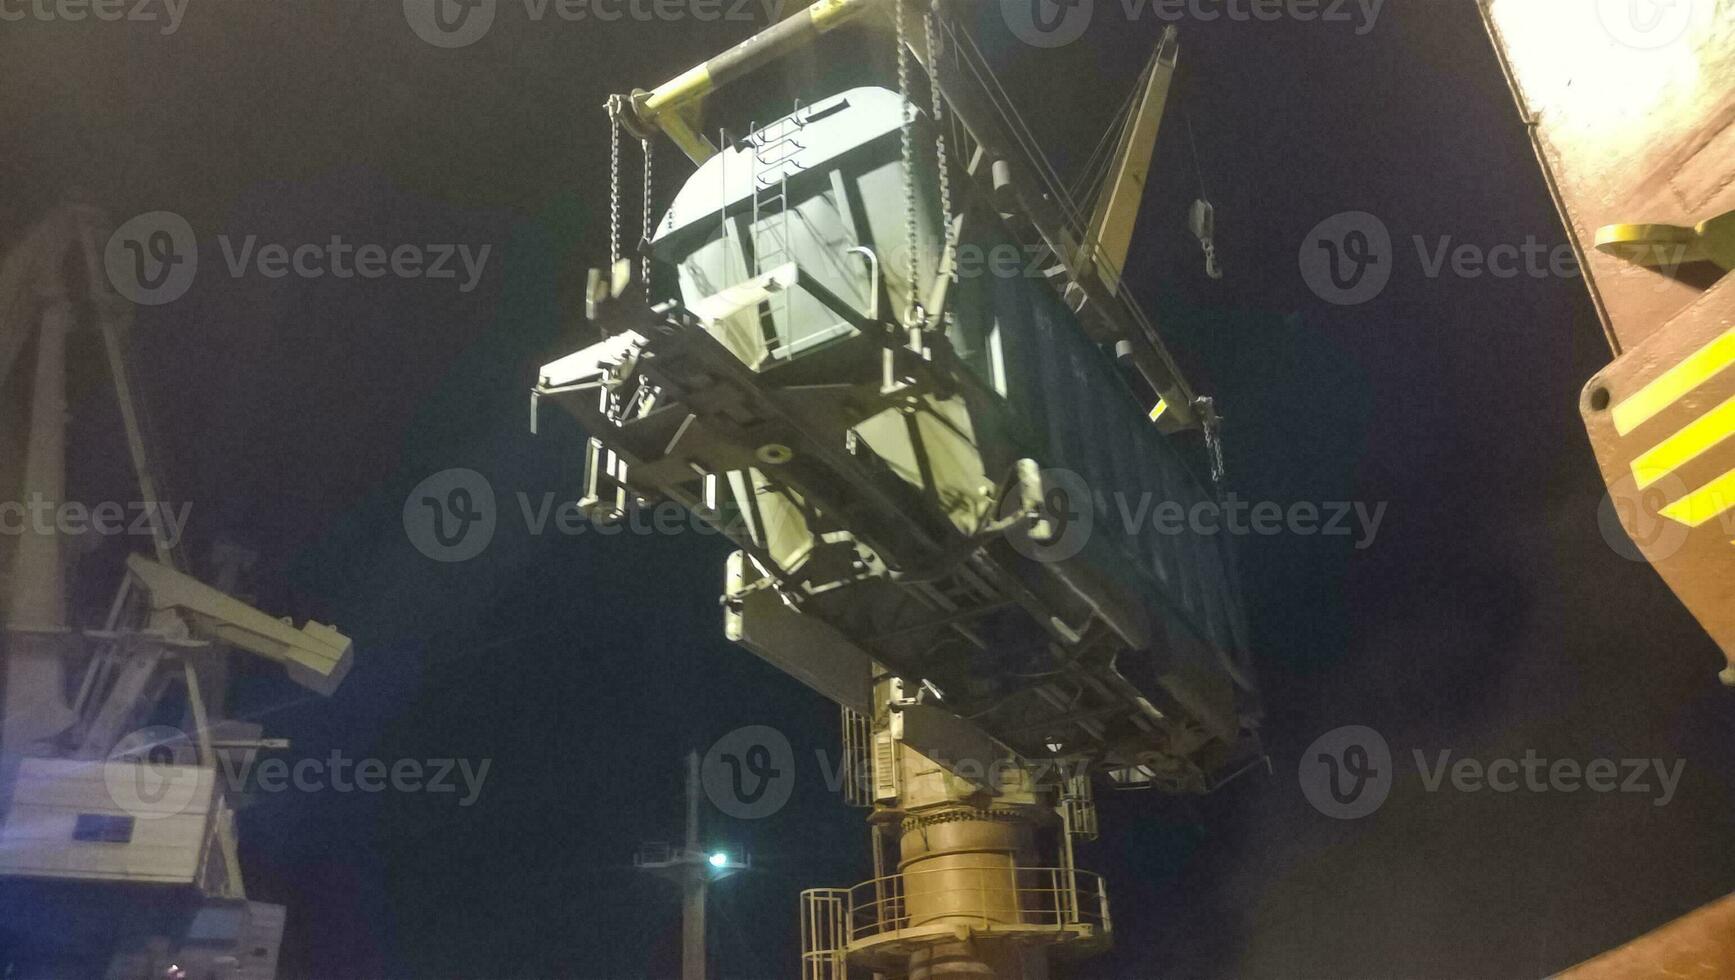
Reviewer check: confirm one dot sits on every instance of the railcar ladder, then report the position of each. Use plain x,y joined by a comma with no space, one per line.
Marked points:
774,150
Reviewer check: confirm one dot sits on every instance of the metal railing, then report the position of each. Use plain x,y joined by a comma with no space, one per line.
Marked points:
987,897
858,760
1078,807
824,934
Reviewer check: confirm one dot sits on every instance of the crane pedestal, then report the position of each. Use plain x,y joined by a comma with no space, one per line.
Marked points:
984,886
960,867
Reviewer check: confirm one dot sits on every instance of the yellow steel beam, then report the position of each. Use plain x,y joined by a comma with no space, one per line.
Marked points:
671,106
1698,946
1693,441
1697,368
1110,235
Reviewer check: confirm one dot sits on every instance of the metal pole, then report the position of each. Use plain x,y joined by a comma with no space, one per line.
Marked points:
38,594
693,886
35,669
693,791
693,928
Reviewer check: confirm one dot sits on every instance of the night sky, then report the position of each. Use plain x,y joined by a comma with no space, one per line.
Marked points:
1488,617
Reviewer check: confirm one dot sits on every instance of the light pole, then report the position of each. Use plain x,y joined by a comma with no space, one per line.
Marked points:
693,867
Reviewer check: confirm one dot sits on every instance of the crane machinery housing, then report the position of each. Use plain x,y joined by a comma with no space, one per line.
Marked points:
919,465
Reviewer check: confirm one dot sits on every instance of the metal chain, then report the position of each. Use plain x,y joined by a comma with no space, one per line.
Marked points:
614,183
1213,426
911,239
950,231
645,260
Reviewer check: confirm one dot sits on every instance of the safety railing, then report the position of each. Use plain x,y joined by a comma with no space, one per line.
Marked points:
1078,805
858,760
824,934
990,898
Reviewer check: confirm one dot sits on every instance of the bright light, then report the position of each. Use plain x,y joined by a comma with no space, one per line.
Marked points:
719,859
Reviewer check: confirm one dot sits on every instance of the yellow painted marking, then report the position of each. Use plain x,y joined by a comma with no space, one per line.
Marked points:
1696,369
1710,500
1698,438
1157,413
683,88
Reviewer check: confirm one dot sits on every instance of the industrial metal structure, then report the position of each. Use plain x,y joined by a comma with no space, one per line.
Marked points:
919,452
111,806
1632,112
918,461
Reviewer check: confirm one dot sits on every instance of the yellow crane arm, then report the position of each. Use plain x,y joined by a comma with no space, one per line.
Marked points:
1110,235
672,106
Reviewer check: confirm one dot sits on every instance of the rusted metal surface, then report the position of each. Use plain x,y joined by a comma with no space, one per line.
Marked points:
1700,946
1632,110
1649,493
1633,113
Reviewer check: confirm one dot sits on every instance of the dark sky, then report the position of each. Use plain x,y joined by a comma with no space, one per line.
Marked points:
1488,617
